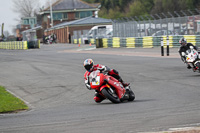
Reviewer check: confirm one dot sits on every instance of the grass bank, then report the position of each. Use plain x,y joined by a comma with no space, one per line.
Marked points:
10,103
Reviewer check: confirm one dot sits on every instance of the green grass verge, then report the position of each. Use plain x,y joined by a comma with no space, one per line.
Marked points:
10,103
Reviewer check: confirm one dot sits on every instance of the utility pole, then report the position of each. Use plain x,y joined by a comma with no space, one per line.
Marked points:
51,14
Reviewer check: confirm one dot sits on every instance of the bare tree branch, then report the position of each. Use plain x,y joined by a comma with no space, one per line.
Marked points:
25,8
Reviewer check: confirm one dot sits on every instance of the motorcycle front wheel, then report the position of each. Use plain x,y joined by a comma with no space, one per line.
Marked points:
111,96
131,96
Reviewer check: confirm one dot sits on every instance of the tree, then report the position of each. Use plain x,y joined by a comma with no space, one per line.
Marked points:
26,8
187,4
92,1
113,14
48,3
172,5
138,8
129,8
123,4
157,7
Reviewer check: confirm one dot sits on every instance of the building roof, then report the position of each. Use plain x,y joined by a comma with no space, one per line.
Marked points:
84,21
33,29
71,5
28,17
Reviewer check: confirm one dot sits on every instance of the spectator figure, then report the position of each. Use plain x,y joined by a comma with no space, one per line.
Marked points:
44,39
19,38
69,38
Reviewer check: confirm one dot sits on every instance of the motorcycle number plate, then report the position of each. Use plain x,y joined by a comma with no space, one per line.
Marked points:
97,81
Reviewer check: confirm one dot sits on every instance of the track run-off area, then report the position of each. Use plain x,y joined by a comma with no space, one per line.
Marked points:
50,80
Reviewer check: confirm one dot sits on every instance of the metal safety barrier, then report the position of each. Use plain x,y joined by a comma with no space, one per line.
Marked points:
20,45
148,41
78,41
144,42
14,45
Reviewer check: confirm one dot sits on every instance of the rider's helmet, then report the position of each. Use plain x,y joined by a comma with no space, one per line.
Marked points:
88,64
183,41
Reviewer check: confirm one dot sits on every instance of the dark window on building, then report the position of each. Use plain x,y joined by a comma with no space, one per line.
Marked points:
57,16
65,16
83,14
77,15
26,21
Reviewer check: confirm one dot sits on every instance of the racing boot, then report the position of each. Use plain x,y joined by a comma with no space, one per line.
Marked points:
98,97
123,83
188,66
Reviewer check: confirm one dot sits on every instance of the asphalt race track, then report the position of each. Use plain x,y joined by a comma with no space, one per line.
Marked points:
51,81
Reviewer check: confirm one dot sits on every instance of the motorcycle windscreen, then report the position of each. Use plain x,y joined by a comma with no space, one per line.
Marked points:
95,79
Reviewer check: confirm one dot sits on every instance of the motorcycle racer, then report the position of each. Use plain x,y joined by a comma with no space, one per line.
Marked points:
89,66
183,48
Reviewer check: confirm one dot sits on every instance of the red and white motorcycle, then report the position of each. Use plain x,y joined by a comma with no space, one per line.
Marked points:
110,88
192,58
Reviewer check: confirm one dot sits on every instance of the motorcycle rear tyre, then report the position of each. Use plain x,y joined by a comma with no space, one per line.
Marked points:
109,96
198,65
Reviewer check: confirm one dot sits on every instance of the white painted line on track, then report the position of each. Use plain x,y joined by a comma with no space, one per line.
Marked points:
86,49
181,130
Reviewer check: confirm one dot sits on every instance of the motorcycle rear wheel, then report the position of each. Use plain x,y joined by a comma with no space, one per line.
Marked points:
198,65
112,97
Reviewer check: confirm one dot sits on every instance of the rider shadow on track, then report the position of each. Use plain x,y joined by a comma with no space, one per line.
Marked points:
196,75
144,100
107,102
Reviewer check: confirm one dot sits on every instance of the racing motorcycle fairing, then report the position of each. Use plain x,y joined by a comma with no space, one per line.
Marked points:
99,81
191,55
193,59
119,88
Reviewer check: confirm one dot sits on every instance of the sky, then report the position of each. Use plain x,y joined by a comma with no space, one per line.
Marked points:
8,16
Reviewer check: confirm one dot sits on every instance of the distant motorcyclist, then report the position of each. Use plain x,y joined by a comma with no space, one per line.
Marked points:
183,48
89,66
54,38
